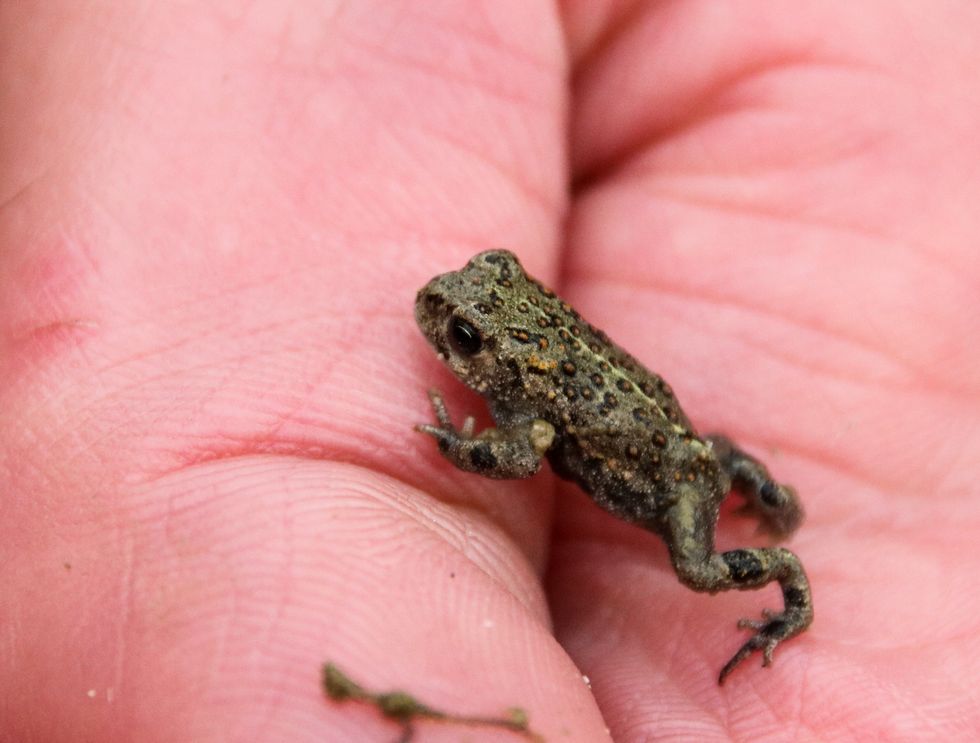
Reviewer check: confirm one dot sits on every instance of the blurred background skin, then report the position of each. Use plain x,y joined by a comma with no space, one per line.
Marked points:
213,221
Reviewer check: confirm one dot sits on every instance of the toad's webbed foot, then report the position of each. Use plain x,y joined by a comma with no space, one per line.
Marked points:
770,631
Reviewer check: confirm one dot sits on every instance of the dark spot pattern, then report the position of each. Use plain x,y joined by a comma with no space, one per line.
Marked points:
769,494
745,567
774,628
794,597
482,457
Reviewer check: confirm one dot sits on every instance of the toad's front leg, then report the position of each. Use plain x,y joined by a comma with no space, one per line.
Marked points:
504,453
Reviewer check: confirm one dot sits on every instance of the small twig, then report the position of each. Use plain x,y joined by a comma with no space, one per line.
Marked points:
405,709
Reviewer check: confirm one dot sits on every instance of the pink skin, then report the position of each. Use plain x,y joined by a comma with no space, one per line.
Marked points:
213,220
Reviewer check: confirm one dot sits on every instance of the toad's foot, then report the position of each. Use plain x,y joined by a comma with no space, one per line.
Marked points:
446,433
770,631
776,506
511,452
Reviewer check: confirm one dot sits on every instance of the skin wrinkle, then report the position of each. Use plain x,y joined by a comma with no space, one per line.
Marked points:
441,73
22,191
441,493
694,298
646,165
70,332
284,585
479,507
761,699
707,109
97,403
640,172
236,293
496,44
802,708
787,216
847,150
548,206
718,713
699,294
458,539
678,654
538,196
610,33
419,510
124,621
105,432
396,134
62,295
903,701
863,686
822,457
160,352
471,548
907,526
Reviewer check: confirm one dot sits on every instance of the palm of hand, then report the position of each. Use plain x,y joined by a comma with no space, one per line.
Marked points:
210,371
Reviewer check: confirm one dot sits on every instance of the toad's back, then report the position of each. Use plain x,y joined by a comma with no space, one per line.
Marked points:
619,431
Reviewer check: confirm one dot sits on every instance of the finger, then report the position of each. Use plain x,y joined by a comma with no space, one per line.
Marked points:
215,221
733,215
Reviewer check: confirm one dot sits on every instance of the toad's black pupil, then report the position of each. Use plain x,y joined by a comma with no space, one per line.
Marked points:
465,338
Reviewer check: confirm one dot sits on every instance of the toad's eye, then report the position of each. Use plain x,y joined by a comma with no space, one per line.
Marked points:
465,339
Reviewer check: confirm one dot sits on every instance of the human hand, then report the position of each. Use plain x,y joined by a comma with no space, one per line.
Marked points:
213,226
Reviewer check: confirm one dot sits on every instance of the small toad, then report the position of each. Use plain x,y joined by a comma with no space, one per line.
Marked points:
560,389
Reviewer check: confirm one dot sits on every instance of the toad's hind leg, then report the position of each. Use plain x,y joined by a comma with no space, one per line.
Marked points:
689,531
776,506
